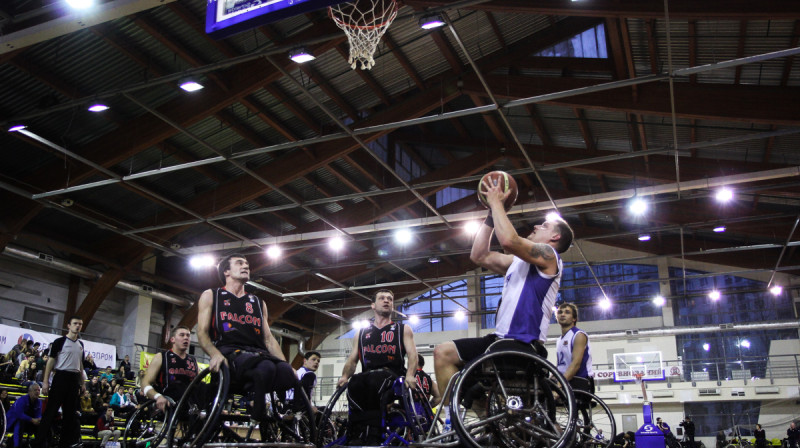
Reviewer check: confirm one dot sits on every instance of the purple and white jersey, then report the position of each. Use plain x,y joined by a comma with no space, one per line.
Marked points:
528,299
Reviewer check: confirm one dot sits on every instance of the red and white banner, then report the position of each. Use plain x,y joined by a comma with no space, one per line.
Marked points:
104,354
626,375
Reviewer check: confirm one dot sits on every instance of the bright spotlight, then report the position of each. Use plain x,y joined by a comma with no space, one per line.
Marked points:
460,315
552,216
414,319
274,251
719,229
706,347
336,243
80,4
201,261
776,290
364,323
644,237
744,343
605,303
714,295
402,236
659,301
97,107
724,194
472,227
638,206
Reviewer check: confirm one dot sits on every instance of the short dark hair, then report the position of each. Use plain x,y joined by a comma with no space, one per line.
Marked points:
567,235
572,308
420,361
74,317
311,353
225,264
375,296
178,327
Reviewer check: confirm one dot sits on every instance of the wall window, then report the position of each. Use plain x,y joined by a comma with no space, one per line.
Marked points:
711,417
588,44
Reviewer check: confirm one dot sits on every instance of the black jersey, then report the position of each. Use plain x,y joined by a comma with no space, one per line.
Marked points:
237,321
176,373
382,348
424,381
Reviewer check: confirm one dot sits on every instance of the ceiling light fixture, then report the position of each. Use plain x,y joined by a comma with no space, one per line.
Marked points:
638,206
460,315
605,303
719,229
301,55
336,243
17,127
431,21
80,4
724,194
659,300
403,236
98,107
644,237
776,290
706,346
274,251
414,319
201,261
472,227
714,295
433,260
190,85
552,216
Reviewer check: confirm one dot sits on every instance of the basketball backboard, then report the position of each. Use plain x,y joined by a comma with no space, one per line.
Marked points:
649,364
227,17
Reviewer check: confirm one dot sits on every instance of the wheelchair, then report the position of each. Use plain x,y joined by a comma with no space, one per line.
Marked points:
147,426
198,419
593,415
406,416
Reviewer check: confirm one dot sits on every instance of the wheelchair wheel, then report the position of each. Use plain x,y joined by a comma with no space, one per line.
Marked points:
146,427
593,416
195,418
413,418
295,423
332,431
513,399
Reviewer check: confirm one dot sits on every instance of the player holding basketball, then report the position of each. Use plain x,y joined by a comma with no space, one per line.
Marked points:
171,371
232,328
532,270
572,350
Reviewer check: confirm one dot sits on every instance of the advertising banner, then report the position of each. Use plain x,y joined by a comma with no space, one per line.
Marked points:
104,354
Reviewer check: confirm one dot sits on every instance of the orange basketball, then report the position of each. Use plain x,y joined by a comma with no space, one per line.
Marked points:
503,179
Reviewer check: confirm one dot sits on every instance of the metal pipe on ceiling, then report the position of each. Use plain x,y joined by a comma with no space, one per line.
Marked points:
783,251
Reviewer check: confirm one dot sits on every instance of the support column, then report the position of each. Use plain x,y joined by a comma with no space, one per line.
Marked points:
667,317
474,304
136,324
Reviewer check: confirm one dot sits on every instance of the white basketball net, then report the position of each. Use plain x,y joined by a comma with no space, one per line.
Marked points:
364,22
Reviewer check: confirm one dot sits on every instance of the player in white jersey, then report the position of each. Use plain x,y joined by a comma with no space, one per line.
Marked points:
532,270
307,376
572,350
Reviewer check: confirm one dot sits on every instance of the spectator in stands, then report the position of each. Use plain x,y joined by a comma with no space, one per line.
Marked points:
24,355
10,363
761,436
89,366
5,399
120,375
30,374
94,386
41,361
128,369
105,390
107,374
88,414
105,427
121,403
25,365
25,415
792,435
37,349
139,378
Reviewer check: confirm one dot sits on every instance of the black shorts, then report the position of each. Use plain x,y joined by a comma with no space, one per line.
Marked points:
470,348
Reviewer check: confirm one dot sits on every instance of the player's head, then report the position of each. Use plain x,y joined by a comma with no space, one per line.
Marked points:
74,324
311,361
555,232
181,337
420,361
567,314
235,266
383,302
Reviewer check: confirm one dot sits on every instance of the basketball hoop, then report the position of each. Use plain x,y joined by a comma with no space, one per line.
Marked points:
638,377
364,22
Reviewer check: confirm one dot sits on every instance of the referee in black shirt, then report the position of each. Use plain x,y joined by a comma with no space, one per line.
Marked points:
66,357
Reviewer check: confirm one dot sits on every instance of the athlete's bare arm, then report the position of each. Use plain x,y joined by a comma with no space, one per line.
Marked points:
204,310
352,360
411,353
486,258
269,340
150,378
578,349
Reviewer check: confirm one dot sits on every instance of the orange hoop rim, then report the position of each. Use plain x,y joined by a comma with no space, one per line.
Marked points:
386,22
638,376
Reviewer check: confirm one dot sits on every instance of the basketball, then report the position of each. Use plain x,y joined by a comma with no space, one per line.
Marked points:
503,179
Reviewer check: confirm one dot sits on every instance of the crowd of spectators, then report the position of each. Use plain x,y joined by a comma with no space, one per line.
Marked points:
107,389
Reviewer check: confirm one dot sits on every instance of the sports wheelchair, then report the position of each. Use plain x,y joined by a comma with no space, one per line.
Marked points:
509,397
593,415
406,416
198,420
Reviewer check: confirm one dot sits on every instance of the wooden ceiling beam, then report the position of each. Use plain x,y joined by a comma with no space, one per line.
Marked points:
498,34
737,79
329,91
403,60
447,51
365,76
788,61
678,9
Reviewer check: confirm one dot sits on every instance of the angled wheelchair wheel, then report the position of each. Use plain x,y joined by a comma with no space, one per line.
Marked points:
513,399
194,421
410,419
332,426
593,416
146,427
295,423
